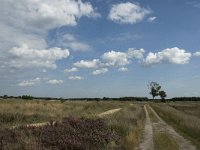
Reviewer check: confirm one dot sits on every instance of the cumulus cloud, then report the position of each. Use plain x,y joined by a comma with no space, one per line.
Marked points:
88,64
25,57
128,13
44,14
169,55
135,53
196,54
73,69
114,58
28,21
100,71
123,69
28,83
75,78
54,81
18,37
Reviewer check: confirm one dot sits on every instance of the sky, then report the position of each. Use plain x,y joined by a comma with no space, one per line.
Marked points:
101,48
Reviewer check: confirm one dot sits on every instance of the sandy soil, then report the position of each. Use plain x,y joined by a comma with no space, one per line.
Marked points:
147,142
109,112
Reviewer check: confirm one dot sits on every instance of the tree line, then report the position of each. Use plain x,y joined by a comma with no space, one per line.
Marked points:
155,90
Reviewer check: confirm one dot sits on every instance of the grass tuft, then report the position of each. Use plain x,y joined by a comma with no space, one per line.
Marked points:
163,141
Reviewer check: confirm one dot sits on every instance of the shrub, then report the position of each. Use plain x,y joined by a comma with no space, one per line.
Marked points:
70,134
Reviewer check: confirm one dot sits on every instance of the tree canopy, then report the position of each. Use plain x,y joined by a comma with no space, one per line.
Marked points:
155,90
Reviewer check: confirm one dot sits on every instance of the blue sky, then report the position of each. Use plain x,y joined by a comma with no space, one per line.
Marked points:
111,48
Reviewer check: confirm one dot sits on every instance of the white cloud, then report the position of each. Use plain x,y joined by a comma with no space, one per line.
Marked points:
169,55
10,37
196,54
123,69
79,46
28,21
128,13
71,70
100,71
134,53
25,57
114,58
152,19
71,42
88,64
75,78
44,14
28,83
54,81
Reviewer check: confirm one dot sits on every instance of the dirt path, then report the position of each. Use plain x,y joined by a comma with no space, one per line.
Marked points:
109,112
162,126
147,143
104,114
33,125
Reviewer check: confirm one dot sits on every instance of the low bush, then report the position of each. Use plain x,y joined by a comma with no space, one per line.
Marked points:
69,134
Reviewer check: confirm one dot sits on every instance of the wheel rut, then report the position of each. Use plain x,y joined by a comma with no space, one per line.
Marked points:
147,143
162,126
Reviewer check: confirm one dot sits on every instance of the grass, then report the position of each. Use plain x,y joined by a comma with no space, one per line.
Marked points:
19,112
153,118
163,141
191,108
121,130
128,123
186,124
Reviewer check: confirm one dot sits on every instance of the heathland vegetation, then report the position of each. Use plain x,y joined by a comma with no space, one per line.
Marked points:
125,123
69,125
39,124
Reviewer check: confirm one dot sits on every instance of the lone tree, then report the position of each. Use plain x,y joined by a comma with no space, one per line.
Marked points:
162,95
154,89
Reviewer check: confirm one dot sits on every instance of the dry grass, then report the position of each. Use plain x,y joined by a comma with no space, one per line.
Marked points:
183,122
163,141
191,108
18,112
153,118
128,123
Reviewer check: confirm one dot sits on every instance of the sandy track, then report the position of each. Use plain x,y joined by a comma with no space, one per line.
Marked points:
33,125
162,126
104,114
147,143
109,112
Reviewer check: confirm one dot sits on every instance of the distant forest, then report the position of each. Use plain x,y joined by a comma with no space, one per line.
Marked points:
28,97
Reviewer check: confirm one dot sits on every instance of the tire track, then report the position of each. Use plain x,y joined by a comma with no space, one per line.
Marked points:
162,126
147,143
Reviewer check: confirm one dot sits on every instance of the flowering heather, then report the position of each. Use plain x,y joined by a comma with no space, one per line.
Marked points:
69,134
